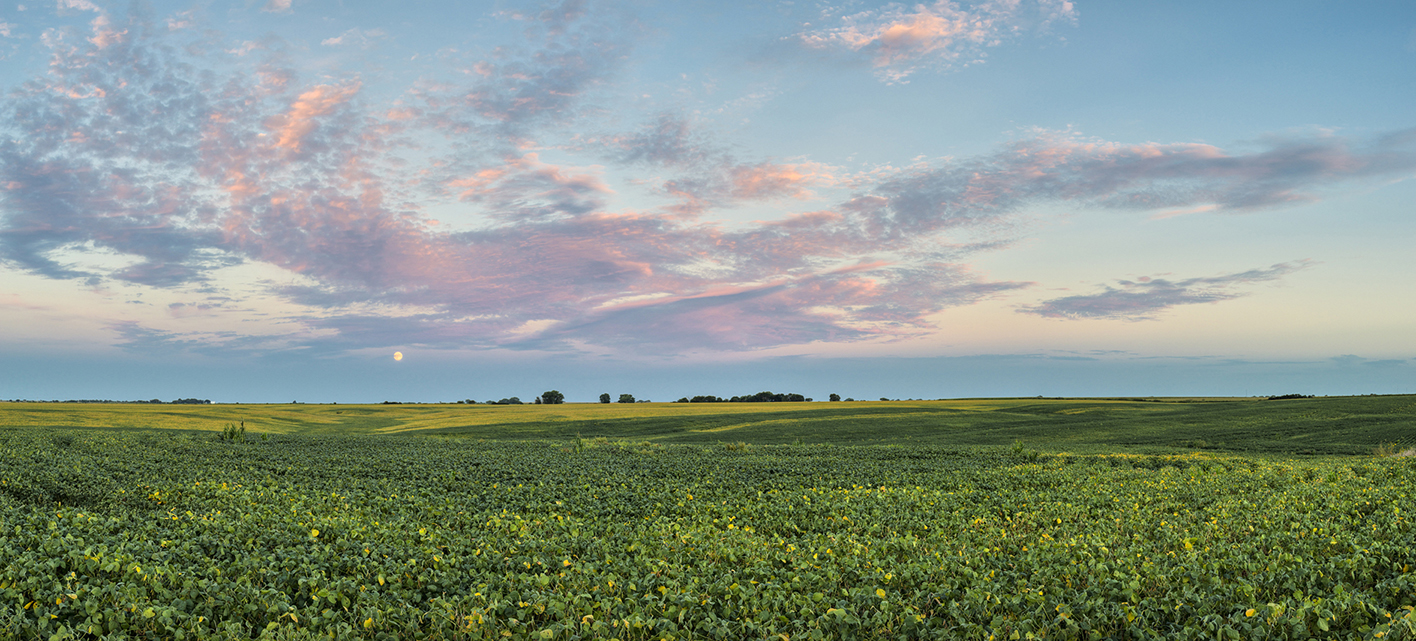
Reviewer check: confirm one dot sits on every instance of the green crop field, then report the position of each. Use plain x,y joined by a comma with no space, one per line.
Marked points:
970,519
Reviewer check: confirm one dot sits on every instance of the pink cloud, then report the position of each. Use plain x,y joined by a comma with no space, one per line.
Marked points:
709,176
302,119
525,187
899,41
104,35
767,180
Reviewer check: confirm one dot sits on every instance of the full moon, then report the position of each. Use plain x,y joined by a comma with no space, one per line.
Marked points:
398,356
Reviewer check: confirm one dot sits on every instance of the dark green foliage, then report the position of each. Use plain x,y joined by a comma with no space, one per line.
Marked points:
605,398
552,397
131,534
232,432
626,398
768,397
760,397
835,398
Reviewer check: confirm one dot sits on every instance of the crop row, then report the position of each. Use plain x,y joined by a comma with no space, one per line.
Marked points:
174,535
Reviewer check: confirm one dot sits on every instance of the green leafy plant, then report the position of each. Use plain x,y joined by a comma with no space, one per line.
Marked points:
233,432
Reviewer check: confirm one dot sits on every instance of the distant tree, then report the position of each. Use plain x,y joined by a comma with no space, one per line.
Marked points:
538,400
682,400
883,398
553,398
605,398
850,400
626,398
835,398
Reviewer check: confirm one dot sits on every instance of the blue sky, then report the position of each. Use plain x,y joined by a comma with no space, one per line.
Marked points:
263,201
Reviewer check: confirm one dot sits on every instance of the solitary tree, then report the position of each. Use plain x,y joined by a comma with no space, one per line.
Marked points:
605,398
553,398
835,398
626,398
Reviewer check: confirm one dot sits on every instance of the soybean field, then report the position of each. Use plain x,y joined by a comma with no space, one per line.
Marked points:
813,529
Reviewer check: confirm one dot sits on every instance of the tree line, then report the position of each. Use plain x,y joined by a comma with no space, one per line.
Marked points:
760,397
555,397
155,401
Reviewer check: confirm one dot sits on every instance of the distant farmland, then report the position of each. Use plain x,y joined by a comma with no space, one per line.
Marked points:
1333,425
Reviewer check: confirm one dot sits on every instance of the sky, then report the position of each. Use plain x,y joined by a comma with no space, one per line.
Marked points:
263,201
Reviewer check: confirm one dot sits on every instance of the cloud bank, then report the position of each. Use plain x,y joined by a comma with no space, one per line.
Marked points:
249,161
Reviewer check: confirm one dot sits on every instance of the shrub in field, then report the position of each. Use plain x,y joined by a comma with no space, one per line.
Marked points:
232,432
1386,450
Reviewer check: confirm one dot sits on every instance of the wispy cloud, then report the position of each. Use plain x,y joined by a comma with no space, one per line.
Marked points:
78,5
526,189
570,51
272,6
668,141
1145,297
293,127
363,38
1053,166
900,40
708,175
